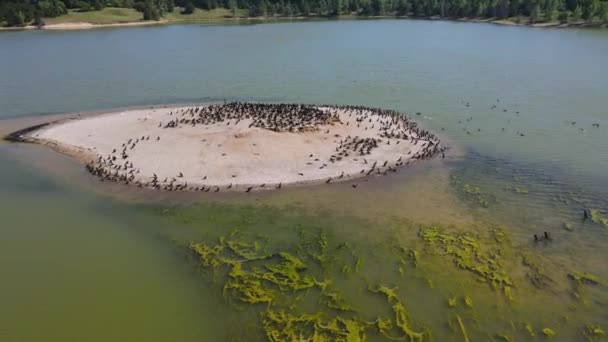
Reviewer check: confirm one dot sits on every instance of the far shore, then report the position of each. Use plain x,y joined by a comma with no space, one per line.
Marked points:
89,25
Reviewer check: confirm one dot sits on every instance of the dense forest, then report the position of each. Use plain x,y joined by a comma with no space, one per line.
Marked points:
23,12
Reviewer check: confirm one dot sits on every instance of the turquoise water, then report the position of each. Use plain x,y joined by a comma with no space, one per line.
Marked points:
84,261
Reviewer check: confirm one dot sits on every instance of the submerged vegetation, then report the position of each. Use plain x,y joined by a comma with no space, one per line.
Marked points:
598,218
471,192
306,282
281,280
482,256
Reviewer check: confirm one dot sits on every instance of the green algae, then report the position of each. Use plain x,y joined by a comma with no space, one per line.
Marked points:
463,331
279,280
358,264
247,251
471,252
583,277
598,218
504,337
508,294
401,320
345,269
284,326
333,299
568,226
520,190
468,301
492,245
287,274
318,250
471,189
452,301
247,288
529,329
415,257
580,279
593,332
548,332
536,274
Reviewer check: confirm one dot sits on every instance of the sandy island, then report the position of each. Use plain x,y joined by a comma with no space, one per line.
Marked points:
240,146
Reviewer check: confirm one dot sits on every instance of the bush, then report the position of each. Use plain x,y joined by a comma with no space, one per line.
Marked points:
38,21
563,16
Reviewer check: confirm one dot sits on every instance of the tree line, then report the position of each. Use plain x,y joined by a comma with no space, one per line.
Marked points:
22,12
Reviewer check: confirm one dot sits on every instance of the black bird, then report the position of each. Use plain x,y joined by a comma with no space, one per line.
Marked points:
585,214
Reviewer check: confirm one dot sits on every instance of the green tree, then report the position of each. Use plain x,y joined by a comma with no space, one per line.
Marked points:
305,8
189,8
233,7
603,14
335,8
366,7
590,9
535,14
151,12
377,7
577,14
402,8
15,17
98,5
51,8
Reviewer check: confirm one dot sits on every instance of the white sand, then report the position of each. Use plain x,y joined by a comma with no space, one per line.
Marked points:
223,155
84,25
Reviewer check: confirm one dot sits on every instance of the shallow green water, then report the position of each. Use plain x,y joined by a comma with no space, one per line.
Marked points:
81,261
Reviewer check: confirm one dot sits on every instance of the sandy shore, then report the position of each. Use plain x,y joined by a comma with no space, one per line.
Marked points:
136,147
84,25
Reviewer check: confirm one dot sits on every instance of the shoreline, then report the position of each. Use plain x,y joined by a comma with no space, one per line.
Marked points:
251,173
71,26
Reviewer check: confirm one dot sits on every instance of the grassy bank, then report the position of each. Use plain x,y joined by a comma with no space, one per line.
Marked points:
108,15
111,15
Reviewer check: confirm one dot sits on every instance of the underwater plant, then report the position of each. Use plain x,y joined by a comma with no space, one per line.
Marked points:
548,332
401,320
598,218
471,252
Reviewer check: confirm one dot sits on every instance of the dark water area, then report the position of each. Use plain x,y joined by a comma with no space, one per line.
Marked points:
82,260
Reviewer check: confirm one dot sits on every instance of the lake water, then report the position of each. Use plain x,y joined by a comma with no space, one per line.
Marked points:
82,261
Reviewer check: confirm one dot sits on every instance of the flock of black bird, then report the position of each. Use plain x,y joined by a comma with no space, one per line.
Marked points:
495,107
391,126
